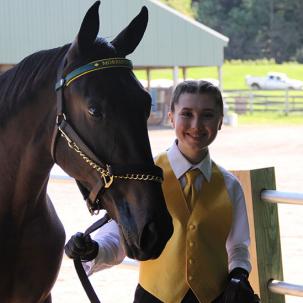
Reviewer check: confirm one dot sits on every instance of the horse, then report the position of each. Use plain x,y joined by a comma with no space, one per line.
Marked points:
80,106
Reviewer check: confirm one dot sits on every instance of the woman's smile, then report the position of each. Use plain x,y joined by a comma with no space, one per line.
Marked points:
196,121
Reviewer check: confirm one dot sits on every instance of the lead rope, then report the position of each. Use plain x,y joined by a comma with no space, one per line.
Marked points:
90,292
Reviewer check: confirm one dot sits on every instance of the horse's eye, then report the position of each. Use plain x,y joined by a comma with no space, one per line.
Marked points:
93,111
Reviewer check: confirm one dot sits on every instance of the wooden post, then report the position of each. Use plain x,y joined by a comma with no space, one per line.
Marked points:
220,77
286,110
148,76
263,220
175,75
184,72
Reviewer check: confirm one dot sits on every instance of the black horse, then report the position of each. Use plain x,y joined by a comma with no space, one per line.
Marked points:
95,127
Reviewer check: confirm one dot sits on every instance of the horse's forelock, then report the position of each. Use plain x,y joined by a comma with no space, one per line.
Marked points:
104,49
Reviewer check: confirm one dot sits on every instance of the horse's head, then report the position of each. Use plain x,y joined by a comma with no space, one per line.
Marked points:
102,115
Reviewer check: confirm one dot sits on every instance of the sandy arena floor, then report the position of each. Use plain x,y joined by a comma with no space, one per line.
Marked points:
235,148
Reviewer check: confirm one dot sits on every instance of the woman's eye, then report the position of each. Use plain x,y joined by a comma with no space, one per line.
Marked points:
208,115
186,114
93,111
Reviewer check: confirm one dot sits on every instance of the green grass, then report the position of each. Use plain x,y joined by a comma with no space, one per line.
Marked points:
234,75
233,72
270,118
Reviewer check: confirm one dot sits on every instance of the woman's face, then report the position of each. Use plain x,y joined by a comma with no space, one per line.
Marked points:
196,120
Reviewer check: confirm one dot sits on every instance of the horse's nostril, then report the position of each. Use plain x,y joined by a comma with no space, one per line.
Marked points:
149,237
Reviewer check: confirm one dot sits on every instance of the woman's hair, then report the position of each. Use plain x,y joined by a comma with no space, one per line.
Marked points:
197,87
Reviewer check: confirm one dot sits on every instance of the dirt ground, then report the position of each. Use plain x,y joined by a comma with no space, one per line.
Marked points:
245,147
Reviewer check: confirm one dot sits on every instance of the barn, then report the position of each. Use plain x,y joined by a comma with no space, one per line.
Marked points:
172,40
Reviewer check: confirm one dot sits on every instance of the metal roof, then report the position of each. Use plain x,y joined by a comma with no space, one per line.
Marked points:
171,39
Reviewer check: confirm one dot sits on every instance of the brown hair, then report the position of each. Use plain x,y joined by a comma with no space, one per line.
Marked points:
197,87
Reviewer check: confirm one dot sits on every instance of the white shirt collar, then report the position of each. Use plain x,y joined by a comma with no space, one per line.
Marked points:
181,165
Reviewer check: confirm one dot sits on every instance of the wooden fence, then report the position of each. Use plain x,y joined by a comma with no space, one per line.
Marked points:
261,201
250,101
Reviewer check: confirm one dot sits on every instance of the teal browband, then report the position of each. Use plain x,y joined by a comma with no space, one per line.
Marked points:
91,67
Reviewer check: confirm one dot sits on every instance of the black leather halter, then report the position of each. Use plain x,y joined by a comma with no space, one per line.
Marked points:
108,173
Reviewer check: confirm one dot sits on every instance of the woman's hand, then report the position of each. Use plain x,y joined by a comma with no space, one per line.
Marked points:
238,289
81,247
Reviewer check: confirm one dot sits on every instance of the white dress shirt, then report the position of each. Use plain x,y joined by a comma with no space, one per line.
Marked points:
110,247
110,251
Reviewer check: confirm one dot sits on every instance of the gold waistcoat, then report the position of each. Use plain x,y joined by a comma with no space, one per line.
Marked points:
195,256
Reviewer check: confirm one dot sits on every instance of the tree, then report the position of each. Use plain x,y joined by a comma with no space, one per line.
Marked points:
183,6
256,28
233,19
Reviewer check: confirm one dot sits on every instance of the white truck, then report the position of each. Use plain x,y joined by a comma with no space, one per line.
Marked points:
273,80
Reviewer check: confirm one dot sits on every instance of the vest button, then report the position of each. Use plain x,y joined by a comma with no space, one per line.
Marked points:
191,243
190,261
190,278
192,226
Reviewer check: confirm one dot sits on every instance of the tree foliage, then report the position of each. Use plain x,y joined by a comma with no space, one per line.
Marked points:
183,6
256,28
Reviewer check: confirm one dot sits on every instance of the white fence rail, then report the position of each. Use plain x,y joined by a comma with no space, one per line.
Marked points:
283,288
273,196
250,101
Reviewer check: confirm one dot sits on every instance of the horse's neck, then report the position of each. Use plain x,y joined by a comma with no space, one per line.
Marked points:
25,154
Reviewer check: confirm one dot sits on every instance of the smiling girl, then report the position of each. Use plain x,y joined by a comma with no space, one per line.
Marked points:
206,259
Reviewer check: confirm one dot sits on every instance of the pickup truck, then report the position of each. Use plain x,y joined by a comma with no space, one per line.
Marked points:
273,81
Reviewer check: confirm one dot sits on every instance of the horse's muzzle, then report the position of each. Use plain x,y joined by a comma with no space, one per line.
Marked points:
151,241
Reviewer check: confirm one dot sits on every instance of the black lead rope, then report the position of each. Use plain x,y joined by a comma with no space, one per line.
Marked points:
90,292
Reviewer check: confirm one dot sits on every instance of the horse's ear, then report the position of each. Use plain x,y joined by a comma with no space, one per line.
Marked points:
126,42
89,28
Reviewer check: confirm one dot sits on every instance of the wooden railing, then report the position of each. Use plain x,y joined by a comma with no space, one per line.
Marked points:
250,101
261,201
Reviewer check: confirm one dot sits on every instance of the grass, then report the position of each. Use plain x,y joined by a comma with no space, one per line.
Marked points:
234,75
270,118
233,72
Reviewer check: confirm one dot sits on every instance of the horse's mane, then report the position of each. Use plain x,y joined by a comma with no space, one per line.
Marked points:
18,84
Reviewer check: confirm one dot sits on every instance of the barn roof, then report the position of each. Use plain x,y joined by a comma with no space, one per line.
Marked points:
171,38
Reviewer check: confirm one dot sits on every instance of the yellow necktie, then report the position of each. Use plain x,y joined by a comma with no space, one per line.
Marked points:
190,192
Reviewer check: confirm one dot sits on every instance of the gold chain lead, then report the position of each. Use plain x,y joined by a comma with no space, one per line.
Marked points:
105,172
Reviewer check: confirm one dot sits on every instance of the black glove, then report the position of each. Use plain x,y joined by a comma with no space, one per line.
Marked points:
82,247
238,289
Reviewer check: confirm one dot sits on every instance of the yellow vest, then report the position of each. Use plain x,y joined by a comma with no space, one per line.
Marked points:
195,256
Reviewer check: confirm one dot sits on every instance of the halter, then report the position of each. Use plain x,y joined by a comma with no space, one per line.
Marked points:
108,173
